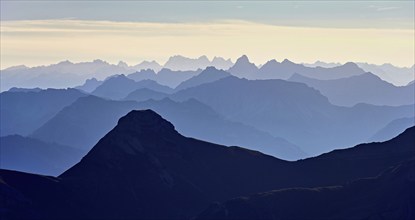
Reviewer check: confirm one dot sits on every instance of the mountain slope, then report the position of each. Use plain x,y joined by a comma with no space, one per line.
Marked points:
118,87
23,112
390,195
144,168
83,123
392,129
144,94
210,74
365,88
34,156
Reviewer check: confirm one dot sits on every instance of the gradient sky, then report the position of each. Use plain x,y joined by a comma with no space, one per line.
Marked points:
43,32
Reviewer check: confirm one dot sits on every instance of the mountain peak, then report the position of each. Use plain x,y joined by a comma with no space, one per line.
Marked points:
243,59
145,121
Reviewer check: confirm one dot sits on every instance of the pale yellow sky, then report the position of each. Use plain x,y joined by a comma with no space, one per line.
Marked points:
40,42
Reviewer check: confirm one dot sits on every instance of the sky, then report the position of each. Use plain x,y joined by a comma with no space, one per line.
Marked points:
43,32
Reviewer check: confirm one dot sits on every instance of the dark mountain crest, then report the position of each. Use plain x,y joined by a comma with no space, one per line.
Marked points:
145,121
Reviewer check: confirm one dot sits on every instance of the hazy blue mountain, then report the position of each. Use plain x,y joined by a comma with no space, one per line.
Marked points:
177,177
144,94
145,65
182,63
392,129
243,68
34,156
365,88
143,75
399,76
89,85
164,76
83,123
179,62
210,74
197,120
411,83
15,89
389,195
174,78
322,64
118,87
61,75
284,70
221,63
23,112
294,111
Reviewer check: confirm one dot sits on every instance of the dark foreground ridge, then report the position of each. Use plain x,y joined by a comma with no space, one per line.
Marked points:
145,169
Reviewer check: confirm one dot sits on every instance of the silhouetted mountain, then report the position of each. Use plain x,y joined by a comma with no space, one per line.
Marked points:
143,168
392,129
243,68
61,75
89,85
34,156
83,123
390,195
15,89
144,94
399,76
294,112
118,87
210,74
145,65
23,112
365,88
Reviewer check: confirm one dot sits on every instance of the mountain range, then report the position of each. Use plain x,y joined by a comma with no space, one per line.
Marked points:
364,88
67,74
144,168
83,123
294,111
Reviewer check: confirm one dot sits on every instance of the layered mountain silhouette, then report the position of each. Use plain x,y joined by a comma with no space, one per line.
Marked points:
183,63
294,111
15,89
210,74
23,112
243,68
35,156
145,94
399,76
143,168
89,85
364,88
145,65
83,123
61,75
118,87
392,129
